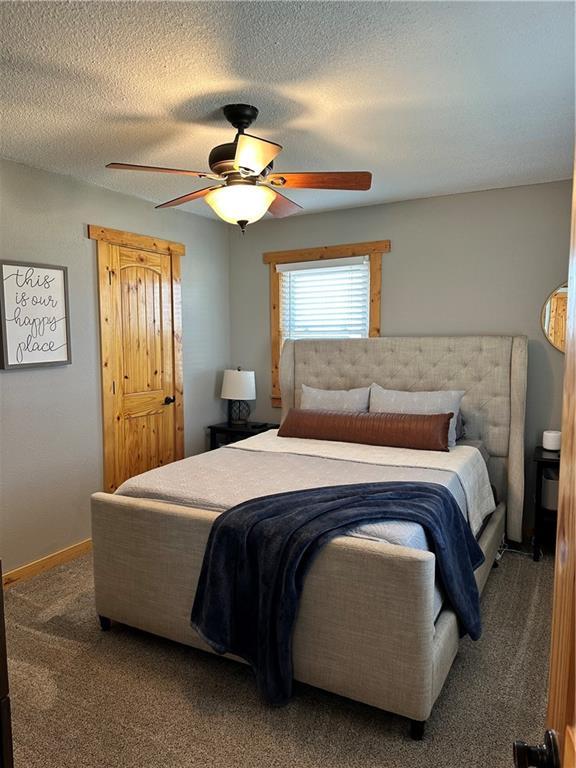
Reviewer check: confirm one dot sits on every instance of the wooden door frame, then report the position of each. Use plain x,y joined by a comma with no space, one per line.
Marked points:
109,318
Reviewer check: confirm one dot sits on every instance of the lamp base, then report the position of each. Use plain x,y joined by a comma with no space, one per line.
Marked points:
238,412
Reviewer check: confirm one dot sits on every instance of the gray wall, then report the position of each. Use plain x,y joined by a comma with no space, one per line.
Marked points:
472,263
50,419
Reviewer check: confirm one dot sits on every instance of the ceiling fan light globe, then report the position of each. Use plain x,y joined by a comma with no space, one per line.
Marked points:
240,202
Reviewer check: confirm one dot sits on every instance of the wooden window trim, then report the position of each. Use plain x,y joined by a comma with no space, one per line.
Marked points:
373,249
105,238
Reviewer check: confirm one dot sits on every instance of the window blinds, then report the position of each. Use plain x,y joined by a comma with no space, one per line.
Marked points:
327,301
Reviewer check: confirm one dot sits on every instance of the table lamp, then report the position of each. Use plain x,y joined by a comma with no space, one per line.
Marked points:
238,386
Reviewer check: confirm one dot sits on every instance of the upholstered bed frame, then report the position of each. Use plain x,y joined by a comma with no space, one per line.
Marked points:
366,626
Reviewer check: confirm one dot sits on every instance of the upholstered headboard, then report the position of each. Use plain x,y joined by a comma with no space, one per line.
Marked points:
490,369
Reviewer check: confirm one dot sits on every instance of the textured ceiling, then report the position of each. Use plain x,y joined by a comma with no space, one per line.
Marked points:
434,97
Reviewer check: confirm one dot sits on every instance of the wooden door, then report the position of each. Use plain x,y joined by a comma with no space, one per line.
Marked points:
562,684
559,749
140,333
6,749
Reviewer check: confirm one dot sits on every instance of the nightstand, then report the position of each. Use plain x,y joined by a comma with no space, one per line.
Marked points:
224,434
543,459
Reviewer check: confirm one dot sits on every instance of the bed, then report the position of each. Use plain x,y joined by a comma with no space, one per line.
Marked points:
372,625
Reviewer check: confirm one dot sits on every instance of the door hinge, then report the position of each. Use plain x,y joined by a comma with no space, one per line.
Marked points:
109,277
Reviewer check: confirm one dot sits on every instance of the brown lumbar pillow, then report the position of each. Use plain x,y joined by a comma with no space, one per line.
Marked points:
425,432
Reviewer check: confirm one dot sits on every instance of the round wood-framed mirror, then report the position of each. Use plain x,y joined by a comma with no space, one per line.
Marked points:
553,317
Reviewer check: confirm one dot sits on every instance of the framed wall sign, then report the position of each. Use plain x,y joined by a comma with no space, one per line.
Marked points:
34,322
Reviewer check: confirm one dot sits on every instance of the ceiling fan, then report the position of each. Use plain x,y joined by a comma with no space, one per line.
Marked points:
249,187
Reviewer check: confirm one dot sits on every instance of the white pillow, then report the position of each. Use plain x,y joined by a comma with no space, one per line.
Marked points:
397,401
334,399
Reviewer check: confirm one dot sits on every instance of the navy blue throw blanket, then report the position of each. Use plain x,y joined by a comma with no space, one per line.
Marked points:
258,554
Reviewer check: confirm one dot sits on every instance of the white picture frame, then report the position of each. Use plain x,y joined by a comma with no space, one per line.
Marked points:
34,315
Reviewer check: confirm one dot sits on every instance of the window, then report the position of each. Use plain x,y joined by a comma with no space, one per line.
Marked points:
325,299
328,292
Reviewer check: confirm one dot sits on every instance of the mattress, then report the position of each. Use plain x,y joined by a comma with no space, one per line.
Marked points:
267,464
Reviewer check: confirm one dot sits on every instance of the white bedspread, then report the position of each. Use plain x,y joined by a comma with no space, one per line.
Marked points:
267,464
464,461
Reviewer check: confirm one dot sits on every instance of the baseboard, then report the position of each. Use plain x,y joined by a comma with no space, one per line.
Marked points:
45,563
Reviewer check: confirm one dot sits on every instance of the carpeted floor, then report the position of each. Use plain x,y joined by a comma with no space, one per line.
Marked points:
123,699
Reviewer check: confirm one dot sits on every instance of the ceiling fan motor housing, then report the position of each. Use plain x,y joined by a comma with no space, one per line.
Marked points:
221,160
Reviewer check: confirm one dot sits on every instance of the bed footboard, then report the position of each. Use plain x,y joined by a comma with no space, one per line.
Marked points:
365,626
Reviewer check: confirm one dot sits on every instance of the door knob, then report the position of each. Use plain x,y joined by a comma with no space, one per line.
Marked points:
545,755
168,400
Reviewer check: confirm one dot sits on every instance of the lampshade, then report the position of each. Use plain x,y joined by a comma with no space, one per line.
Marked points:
240,202
238,385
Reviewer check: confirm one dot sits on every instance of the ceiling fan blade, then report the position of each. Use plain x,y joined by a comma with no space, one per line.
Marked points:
158,169
360,180
282,206
187,198
254,154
